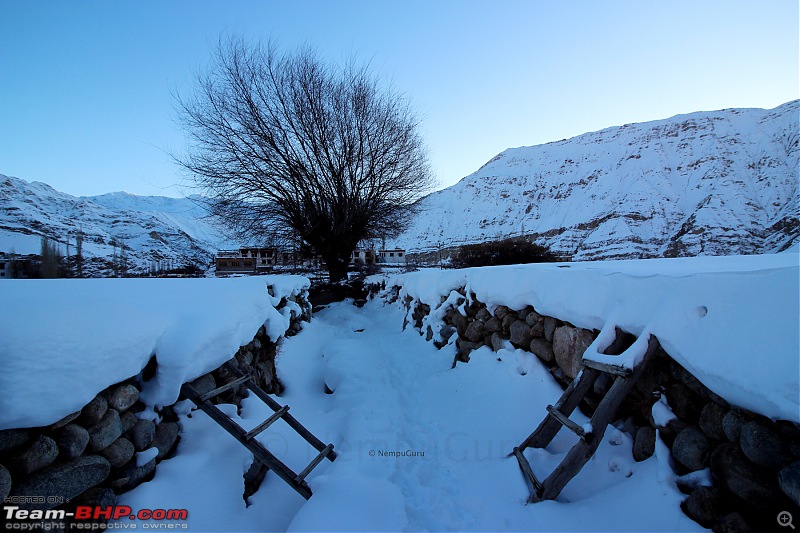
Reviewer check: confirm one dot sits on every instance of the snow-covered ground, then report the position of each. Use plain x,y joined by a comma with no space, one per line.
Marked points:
64,341
394,392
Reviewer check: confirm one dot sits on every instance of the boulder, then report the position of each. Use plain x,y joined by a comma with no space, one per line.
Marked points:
763,446
122,397
644,444
133,476
493,325
703,506
5,483
127,420
507,321
542,349
483,314
497,342
711,418
72,441
106,431
501,311
733,523
465,347
550,325
141,434
460,322
13,438
119,452
66,480
603,384
569,344
684,403
93,411
64,421
533,318
37,454
732,424
164,439
691,448
671,430
475,332
789,482
520,333
731,470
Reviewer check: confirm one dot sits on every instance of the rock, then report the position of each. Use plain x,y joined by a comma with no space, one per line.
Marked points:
119,452
684,403
533,318
122,397
127,420
602,384
703,506
691,448
93,411
507,321
671,430
523,313
465,347
711,420
460,322
204,383
72,441
483,315
447,332
763,446
789,482
475,331
428,333
141,434
66,480
99,497
542,349
502,311
550,325
37,454
520,334
164,439
256,344
105,432
732,424
493,325
733,523
731,470
644,444
64,421
497,342
13,438
569,344
5,483
133,476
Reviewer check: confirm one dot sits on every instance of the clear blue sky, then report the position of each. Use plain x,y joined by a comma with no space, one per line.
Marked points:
85,86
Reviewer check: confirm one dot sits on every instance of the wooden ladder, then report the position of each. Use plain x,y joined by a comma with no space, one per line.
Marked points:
263,458
590,438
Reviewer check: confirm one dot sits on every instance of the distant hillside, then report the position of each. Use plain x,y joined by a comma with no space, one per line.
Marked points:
153,229
707,183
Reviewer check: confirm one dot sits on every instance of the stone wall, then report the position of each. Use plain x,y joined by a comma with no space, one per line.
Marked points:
103,450
739,469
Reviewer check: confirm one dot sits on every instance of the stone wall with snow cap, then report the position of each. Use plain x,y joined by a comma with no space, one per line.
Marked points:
92,371
721,394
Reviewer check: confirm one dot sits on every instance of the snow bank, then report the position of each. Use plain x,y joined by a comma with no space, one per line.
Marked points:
731,321
63,341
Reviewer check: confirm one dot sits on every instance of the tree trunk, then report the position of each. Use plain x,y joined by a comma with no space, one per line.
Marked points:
337,269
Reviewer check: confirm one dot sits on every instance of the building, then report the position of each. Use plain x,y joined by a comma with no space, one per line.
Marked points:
392,256
257,260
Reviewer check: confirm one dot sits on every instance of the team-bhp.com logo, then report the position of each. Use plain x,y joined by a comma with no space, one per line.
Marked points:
87,517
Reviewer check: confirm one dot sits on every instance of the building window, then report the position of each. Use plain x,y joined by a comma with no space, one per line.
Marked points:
399,254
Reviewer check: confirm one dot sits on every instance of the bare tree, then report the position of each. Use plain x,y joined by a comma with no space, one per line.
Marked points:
289,149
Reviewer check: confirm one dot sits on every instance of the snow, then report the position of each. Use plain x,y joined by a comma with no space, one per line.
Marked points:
63,341
731,321
394,392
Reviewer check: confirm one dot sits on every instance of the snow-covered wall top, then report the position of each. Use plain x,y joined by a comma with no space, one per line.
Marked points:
733,321
63,341
706,183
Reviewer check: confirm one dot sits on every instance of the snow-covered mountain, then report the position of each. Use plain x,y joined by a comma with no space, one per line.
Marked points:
152,229
707,183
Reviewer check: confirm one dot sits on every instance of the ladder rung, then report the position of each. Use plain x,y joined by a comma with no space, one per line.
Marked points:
566,422
307,470
220,390
607,368
526,469
266,423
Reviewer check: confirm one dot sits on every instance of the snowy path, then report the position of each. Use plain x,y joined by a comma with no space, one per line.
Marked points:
394,392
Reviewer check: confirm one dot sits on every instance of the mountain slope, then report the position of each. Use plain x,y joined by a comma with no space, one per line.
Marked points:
152,229
707,183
